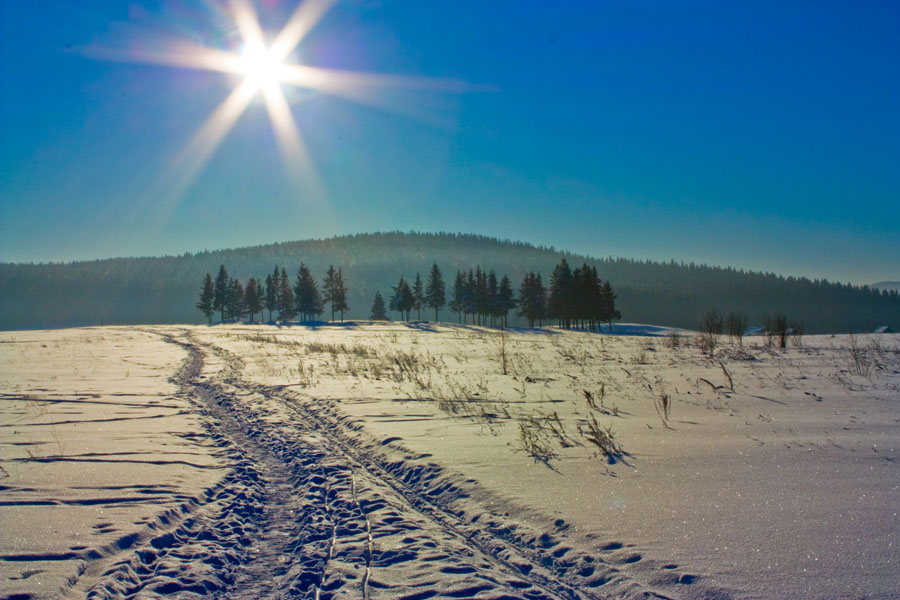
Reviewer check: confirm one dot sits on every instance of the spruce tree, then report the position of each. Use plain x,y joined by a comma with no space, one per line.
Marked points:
418,296
309,300
207,293
532,298
234,300
457,304
403,300
260,298
328,288
273,288
286,310
560,301
609,304
220,294
505,300
334,291
378,313
251,298
435,292
339,303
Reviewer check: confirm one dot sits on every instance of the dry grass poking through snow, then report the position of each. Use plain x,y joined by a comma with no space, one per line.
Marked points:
549,395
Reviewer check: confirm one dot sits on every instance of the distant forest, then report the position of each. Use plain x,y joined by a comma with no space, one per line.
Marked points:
165,289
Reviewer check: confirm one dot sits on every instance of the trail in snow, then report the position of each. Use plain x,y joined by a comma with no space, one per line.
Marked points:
313,509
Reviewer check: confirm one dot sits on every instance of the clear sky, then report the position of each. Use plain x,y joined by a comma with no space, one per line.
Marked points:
761,135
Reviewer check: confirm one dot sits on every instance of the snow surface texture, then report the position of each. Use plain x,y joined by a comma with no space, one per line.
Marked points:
420,460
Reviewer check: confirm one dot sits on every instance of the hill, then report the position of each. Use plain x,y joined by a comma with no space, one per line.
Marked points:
164,289
886,285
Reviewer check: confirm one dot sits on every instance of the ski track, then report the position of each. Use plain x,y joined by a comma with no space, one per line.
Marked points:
313,508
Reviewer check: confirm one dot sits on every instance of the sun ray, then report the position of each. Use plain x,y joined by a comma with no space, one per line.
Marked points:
264,71
177,53
294,153
384,92
197,152
247,23
306,16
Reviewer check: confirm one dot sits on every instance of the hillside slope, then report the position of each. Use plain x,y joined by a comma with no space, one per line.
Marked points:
164,289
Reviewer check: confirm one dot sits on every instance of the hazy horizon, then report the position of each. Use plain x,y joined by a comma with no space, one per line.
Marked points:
758,136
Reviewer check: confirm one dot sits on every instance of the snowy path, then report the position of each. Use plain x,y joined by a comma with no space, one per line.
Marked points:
314,509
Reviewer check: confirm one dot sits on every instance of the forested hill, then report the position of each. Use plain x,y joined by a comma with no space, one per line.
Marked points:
165,289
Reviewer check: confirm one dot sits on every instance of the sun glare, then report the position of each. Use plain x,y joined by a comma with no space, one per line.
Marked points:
264,69
261,66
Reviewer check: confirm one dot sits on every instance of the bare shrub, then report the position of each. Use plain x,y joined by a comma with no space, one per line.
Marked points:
673,340
776,328
796,332
711,324
736,324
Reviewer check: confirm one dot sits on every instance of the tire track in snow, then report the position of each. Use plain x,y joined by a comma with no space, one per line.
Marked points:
523,564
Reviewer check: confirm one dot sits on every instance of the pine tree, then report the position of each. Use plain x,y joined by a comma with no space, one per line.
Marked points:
286,310
532,298
234,300
273,289
418,296
328,288
403,300
260,298
334,291
560,301
378,313
251,298
457,304
609,304
339,303
207,293
309,300
505,300
220,294
435,293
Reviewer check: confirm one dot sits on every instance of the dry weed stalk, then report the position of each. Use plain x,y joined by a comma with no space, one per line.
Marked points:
604,440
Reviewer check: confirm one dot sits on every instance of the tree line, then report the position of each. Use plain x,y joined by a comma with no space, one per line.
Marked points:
575,299
234,301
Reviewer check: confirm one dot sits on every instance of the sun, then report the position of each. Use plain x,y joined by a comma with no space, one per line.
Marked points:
261,65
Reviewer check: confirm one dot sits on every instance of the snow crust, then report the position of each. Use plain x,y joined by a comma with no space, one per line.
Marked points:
393,460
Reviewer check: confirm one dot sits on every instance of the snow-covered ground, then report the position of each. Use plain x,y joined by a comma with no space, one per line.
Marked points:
420,460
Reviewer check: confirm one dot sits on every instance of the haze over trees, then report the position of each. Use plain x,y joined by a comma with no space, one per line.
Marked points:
165,289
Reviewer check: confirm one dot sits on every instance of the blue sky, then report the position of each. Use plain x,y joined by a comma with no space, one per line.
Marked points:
753,134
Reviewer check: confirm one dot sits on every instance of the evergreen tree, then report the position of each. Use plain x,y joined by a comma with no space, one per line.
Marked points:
286,310
458,303
328,291
207,293
251,298
220,293
609,304
532,298
505,300
339,303
492,297
260,298
273,289
418,296
559,303
309,300
435,293
334,291
403,300
234,300
378,313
